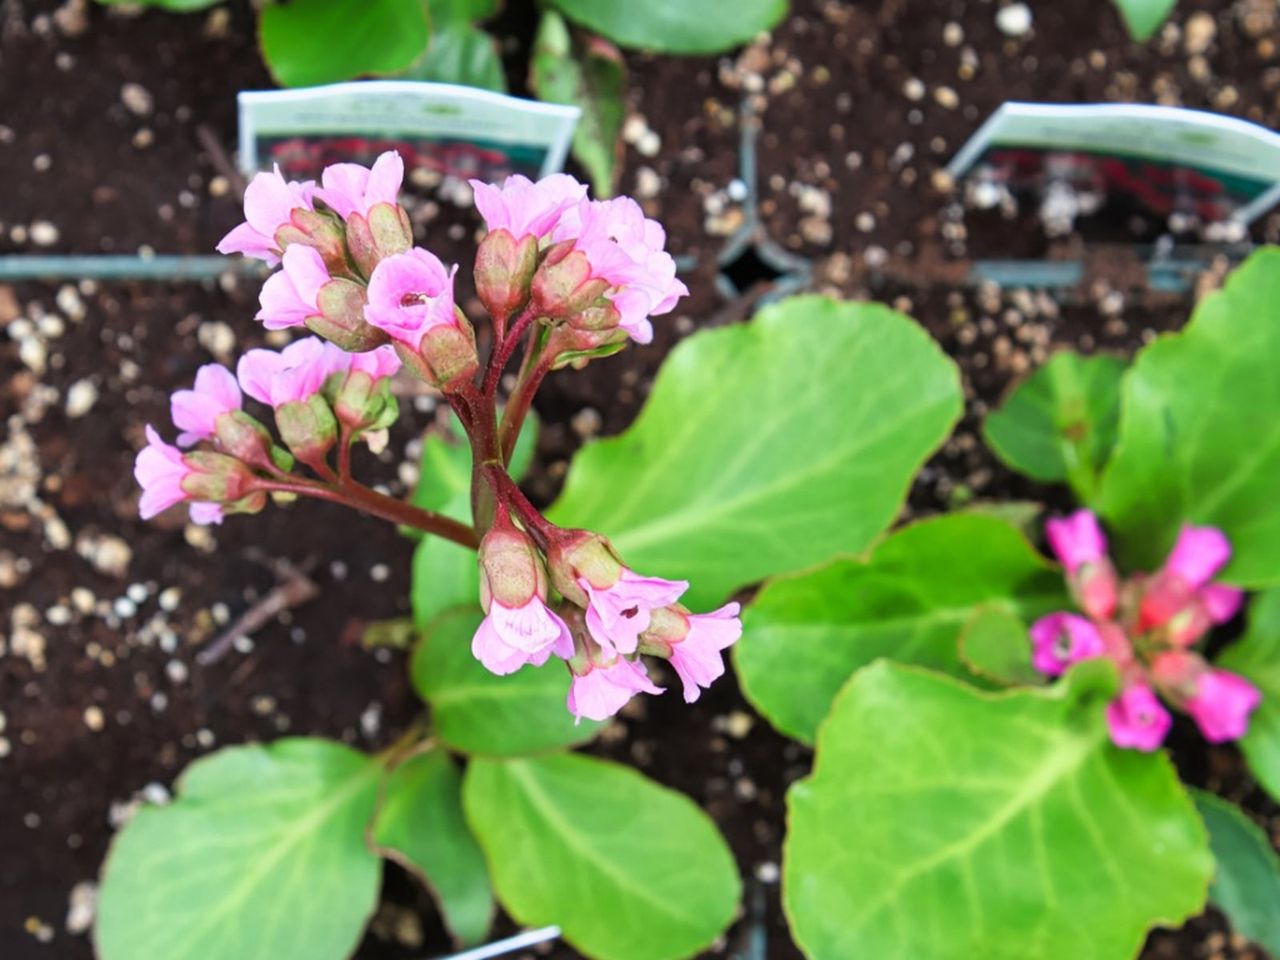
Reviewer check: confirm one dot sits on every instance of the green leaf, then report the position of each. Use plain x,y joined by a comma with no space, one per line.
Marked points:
908,601
460,53
1142,18
1060,424
444,573
1256,657
1246,885
676,26
477,712
768,447
593,77
994,646
421,826
308,42
944,823
628,869
173,6
261,856
1200,431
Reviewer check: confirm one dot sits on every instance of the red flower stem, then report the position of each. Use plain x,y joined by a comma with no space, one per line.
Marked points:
521,400
506,491
344,455
502,352
369,501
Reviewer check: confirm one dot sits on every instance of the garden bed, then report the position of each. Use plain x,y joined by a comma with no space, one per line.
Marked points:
103,698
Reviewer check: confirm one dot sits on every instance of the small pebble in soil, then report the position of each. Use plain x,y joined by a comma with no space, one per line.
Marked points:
81,396
82,907
137,99
379,573
94,718
1014,20
43,233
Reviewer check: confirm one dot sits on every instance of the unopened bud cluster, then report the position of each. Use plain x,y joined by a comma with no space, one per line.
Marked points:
584,276
1147,625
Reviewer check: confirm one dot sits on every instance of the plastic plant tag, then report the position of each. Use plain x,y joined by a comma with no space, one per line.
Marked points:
1166,159
447,129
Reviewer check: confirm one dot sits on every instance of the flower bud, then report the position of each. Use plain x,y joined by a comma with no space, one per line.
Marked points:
339,317
362,403
579,555
446,356
241,436
693,642
576,348
1137,720
383,233
307,427
511,570
563,285
216,477
322,232
504,271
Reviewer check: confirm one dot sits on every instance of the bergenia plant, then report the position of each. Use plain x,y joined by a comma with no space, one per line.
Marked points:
535,626
991,722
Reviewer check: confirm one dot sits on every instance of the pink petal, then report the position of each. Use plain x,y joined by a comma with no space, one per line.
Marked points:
248,241
1137,720
1076,540
1199,553
1221,602
1222,705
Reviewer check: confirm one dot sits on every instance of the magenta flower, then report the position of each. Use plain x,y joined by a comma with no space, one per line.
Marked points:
1061,639
409,294
1076,540
1137,720
378,363
697,657
160,470
269,202
348,188
1222,704
291,375
1198,554
196,411
603,690
626,250
1220,601
619,613
289,297
510,637
524,208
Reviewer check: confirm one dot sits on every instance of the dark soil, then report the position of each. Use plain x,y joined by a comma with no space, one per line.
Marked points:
109,698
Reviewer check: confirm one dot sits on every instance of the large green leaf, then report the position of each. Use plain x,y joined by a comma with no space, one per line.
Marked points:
308,42
909,601
1143,17
1246,885
445,574
676,26
593,77
477,712
944,823
1059,425
261,856
768,447
628,869
420,825
460,52
1200,431
1257,658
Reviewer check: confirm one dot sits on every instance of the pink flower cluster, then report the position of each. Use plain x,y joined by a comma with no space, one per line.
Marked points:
1147,626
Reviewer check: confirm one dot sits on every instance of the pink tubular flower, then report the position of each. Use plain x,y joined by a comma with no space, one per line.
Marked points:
348,188
379,363
602,691
269,202
524,208
289,297
625,250
160,470
1061,639
1076,540
1220,601
196,411
1199,553
291,375
619,613
410,294
1137,720
510,637
697,658
1222,704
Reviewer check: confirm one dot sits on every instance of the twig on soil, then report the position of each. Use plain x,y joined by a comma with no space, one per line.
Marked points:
220,160
294,589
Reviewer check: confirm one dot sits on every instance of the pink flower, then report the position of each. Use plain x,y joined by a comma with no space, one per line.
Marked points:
379,363
522,207
1199,553
1220,601
289,297
409,294
1222,704
1061,639
619,613
291,375
196,412
1137,720
349,188
510,637
602,691
625,249
160,470
269,202
1076,540
697,658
